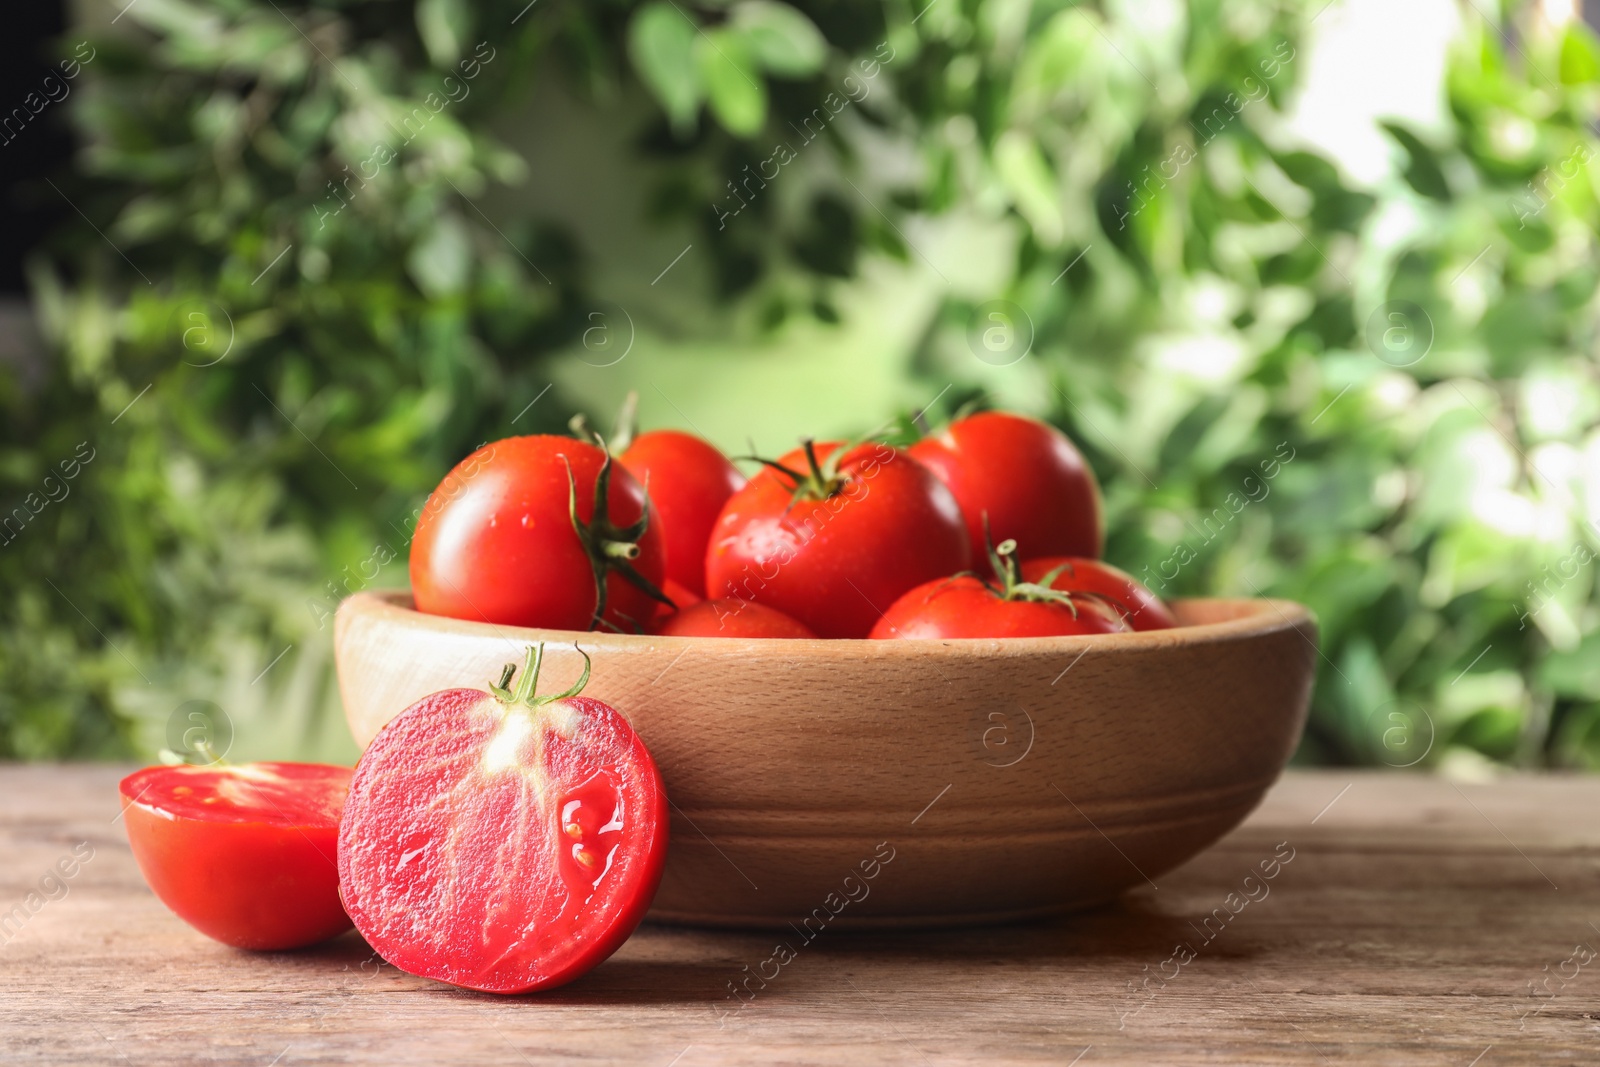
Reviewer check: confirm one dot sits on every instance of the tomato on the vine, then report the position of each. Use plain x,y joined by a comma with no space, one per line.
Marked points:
688,480
244,853
1138,606
729,618
503,841
832,535
538,531
1026,477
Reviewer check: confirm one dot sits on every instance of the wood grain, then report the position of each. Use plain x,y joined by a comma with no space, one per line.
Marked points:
1103,760
1406,929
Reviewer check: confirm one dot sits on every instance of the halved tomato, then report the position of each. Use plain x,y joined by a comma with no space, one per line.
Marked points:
503,841
244,853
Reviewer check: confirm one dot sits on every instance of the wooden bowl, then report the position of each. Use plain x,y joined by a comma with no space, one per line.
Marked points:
1002,778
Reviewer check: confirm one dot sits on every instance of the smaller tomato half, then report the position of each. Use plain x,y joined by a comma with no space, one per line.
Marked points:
688,480
503,841
1139,607
244,853
965,606
730,617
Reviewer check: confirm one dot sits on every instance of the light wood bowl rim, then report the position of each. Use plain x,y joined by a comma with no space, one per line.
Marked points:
1257,617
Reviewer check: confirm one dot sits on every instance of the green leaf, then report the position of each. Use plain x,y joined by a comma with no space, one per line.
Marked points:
440,262
443,26
1580,58
1310,171
779,38
1578,741
1057,53
737,94
1027,176
831,243
1422,171
1493,731
661,42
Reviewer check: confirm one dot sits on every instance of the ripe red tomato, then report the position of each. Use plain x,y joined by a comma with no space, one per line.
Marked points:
1139,607
681,597
503,842
729,618
965,606
688,481
1029,480
244,853
496,541
831,537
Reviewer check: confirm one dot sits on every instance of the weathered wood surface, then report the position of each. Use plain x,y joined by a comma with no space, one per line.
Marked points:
1410,926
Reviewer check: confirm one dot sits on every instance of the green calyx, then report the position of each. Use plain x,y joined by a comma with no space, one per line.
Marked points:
610,548
526,692
627,425
1003,560
821,478
909,427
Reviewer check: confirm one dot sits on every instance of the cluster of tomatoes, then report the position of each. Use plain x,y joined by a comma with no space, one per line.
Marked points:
989,528
506,841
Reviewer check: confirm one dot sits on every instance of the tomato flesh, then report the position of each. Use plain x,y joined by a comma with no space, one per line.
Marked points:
835,564
688,480
244,853
965,607
1139,607
730,618
1026,476
501,847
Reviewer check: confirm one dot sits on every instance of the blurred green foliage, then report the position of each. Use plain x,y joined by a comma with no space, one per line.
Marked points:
1378,401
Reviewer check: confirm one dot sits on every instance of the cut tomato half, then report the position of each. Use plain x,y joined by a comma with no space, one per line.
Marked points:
244,853
503,841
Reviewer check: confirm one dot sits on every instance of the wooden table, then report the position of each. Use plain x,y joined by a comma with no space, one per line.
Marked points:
1413,924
